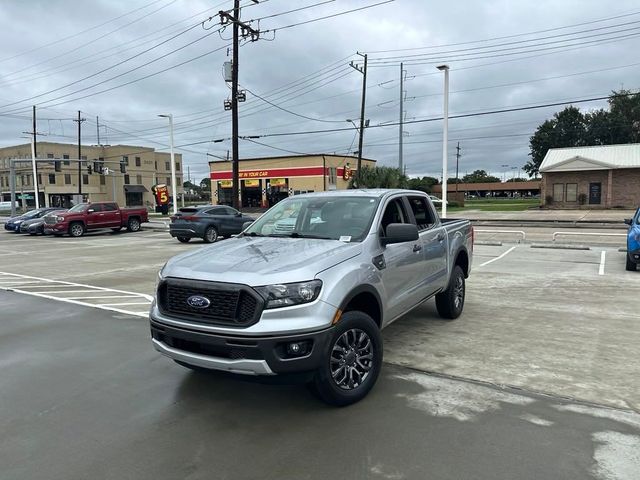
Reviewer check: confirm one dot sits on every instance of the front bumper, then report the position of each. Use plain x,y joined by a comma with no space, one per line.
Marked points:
12,227
241,355
57,228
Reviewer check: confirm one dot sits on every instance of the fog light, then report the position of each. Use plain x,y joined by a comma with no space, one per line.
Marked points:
298,349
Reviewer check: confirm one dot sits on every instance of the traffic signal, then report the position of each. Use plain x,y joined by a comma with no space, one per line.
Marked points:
89,169
123,167
57,166
97,166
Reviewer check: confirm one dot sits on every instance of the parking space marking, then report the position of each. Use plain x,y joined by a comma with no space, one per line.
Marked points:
603,256
89,292
498,257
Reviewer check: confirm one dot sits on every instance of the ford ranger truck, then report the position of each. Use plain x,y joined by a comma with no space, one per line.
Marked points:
633,242
312,299
95,216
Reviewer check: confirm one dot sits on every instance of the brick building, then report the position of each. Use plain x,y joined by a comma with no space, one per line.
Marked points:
144,167
592,177
264,181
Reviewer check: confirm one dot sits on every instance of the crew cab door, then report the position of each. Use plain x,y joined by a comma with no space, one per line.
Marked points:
111,215
404,263
433,238
95,216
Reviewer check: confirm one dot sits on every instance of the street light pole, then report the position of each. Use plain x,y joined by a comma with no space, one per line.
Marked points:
174,189
445,138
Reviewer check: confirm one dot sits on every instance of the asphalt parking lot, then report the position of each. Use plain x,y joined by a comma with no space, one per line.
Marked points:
549,329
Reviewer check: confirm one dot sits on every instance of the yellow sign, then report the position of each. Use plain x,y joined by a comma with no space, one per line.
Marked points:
225,183
251,183
278,182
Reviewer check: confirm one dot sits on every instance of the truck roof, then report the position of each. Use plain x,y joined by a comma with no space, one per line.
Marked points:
362,192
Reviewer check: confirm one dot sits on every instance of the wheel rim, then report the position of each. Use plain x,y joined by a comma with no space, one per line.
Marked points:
351,359
135,225
458,292
211,235
76,230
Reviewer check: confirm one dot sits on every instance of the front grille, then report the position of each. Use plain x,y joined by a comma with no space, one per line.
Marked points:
50,220
230,304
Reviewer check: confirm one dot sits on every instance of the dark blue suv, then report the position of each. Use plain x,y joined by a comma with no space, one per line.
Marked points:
209,223
633,242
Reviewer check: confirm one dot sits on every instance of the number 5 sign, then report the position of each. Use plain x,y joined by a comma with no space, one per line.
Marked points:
161,193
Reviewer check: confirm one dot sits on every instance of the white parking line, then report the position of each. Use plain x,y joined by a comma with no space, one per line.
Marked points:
88,290
498,258
603,255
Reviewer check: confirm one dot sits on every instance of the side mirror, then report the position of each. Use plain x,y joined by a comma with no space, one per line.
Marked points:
91,210
246,225
400,233
238,214
628,221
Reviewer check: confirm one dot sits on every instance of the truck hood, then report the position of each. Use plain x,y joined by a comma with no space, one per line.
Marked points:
258,261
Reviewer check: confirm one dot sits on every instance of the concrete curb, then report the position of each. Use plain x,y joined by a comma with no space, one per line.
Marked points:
560,246
488,244
156,225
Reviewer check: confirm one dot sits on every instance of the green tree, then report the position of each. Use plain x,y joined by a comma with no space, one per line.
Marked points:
517,180
619,124
424,184
379,177
567,128
205,184
479,176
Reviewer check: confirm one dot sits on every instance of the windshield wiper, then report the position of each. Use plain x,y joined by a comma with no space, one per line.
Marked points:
253,234
304,235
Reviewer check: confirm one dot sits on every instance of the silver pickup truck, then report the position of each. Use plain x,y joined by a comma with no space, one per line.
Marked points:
308,286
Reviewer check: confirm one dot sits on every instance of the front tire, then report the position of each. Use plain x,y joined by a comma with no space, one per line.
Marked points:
133,225
210,235
76,229
184,239
451,302
631,266
352,361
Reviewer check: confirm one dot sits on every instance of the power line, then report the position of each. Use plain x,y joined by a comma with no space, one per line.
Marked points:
510,36
55,42
95,39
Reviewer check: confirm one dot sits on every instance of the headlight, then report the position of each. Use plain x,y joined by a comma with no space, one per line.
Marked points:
287,294
59,219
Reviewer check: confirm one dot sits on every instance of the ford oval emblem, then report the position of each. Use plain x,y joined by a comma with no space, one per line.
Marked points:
198,301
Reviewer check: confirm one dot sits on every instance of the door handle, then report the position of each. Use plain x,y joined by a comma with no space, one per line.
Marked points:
440,237
417,248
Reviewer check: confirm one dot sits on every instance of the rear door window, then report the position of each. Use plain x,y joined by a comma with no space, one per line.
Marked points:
109,207
215,211
422,212
96,207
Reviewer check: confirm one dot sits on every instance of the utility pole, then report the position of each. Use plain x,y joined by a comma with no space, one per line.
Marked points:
98,129
35,149
400,133
80,120
445,138
363,71
457,164
226,18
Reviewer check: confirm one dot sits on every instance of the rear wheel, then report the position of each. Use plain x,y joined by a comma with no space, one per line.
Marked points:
352,363
76,229
183,239
631,266
451,302
133,225
210,235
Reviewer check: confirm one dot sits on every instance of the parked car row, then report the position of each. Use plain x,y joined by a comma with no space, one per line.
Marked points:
78,219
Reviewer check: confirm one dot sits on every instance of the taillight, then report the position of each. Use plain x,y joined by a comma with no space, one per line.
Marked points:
188,217
173,218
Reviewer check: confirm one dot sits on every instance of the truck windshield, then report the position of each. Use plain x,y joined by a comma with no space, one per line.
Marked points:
81,207
345,218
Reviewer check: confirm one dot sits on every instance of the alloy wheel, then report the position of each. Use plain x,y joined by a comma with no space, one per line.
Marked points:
351,359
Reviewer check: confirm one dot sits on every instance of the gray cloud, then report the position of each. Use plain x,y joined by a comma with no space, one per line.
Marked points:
195,92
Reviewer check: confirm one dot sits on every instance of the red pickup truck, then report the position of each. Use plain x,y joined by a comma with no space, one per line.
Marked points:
94,216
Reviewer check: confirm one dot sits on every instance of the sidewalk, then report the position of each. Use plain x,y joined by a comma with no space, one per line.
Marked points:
537,215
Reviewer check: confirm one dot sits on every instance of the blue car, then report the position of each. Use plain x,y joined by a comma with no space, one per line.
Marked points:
633,242
13,224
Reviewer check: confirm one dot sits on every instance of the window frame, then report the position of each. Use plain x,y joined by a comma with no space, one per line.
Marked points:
52,176
558,198
575,193
429,210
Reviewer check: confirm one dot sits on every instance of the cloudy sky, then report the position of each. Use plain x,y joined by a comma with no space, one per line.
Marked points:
128,61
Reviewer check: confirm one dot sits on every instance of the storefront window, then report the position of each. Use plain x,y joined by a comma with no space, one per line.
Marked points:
572,192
